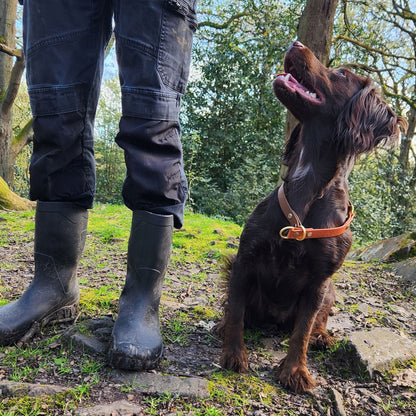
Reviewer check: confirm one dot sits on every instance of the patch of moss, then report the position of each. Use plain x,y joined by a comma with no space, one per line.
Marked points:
43,405
239,391
99,301
203,312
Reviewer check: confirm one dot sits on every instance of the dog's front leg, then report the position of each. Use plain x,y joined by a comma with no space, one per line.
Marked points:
234,354
293,372
319,337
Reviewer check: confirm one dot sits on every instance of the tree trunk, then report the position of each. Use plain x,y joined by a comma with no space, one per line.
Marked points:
315,31
406,140
12,64
9,200
407,169
7,37
316,25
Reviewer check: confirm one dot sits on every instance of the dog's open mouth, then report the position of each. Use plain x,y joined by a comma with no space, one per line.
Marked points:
289,82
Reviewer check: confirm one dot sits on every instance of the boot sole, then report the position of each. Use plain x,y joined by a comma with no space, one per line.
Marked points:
66,313
120,360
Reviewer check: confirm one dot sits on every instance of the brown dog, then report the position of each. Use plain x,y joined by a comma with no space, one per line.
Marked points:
297,238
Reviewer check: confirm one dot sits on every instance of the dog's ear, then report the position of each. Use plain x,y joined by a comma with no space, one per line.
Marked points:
366,121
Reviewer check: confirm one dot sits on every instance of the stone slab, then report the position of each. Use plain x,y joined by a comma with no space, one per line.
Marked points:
395,248
119,408
378,349
14,388
340,322
338,402
406,269
153,383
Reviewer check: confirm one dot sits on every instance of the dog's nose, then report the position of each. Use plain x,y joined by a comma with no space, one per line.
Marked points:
297,44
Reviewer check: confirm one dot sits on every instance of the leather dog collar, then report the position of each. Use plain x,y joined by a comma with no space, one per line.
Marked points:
296,231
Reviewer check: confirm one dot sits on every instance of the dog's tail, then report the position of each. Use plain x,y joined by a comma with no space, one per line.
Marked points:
225,269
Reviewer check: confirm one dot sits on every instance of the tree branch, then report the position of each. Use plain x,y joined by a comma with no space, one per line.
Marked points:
371,49
226,23
22,139
12,52
14,84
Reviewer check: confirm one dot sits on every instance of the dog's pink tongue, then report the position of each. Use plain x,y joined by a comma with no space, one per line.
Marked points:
292,84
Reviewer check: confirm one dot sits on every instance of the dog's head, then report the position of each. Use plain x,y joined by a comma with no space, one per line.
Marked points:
310,90
337,98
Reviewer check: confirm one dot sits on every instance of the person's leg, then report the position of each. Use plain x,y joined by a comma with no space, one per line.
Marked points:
64,43
64,48
154,41
53,295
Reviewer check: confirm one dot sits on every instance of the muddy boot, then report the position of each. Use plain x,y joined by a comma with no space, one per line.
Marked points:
53,295
136,339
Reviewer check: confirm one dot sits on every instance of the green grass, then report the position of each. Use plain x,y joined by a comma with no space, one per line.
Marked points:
98,301
202,238
19,227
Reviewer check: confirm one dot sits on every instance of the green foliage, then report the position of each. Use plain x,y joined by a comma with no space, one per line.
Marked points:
379,191
109,157
21,115
377,38
233,125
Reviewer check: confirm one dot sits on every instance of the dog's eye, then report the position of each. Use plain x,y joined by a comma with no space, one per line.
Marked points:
341,72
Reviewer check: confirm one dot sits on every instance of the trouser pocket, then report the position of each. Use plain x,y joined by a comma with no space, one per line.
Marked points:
179,23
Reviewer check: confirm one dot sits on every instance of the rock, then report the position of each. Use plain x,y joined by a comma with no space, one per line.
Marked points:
405,378
85,342
338,402
393,249
88,343
120,408
378,350
340,322
363,308
13,388
354,255
406,269
232,245
270,346
95,340
153,383
99,323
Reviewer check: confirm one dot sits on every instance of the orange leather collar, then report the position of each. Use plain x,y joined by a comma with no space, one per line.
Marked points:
296,231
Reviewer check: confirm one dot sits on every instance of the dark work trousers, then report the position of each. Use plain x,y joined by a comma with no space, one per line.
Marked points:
65,42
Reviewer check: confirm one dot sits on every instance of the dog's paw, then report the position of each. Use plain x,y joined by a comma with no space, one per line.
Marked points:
297,379
235,361
321,340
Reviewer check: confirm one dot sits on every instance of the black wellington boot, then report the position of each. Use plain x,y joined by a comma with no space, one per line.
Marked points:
53,295
136,339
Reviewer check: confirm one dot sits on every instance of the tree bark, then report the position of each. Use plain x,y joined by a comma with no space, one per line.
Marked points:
315,31
316,26
12,64
7,38
9,200
406,141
